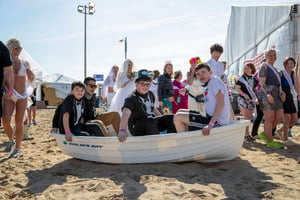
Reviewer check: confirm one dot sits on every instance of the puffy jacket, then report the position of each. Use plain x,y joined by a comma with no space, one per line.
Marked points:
165,87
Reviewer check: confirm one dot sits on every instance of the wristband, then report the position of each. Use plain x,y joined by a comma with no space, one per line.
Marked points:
122,130
242,93
67,131
210,124
10,92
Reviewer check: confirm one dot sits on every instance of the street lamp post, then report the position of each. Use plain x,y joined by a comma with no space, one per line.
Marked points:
86,10
125,46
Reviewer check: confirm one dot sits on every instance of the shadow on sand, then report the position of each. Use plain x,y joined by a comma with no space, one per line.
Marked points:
287,151
236,177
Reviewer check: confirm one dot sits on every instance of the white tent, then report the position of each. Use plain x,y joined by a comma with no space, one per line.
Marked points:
59,82
252,29
57,86
35,67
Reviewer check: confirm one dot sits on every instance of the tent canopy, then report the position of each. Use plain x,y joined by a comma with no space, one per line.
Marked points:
252,29
58,78
59,84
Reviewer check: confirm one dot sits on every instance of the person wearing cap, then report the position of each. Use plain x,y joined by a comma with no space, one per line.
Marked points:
139,113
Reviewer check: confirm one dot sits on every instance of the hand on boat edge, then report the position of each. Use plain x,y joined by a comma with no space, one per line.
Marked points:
68,137
122,136
206,130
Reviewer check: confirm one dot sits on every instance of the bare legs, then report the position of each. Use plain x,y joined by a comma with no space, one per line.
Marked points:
31,114
272,118
8,109
181,120
247,113
289,120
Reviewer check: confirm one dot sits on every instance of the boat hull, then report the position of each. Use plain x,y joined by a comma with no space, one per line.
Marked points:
223,143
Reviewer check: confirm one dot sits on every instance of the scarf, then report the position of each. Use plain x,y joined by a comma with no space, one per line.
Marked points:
250,90
292,88
276,74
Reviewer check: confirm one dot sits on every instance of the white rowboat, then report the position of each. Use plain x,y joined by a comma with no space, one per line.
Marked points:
223,143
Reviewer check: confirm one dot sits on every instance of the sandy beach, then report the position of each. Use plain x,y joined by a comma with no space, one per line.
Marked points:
43,172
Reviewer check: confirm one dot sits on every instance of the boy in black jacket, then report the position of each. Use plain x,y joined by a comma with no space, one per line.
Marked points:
71,120
71,114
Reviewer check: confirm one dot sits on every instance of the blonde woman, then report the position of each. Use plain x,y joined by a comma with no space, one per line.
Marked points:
22,77
165,87
270,97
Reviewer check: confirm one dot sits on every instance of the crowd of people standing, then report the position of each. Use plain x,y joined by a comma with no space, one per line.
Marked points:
146,102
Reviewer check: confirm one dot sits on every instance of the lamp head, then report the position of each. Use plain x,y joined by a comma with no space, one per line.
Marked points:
92,11
80,8
92,5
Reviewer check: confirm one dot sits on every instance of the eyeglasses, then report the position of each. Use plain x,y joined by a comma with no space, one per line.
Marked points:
92,86
145,84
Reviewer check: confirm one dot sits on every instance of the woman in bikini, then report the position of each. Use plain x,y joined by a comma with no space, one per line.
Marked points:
22,77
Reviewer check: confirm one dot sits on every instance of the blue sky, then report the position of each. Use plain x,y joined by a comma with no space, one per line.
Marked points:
156,30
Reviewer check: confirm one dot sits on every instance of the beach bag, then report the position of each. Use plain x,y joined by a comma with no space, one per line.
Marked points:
199,98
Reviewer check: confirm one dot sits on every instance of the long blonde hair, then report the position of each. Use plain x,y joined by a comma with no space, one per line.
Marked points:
12,41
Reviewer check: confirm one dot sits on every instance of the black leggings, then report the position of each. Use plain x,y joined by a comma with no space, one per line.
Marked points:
257,121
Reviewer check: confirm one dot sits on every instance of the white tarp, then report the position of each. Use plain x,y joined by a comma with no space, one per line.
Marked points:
252,29
60,82
35,67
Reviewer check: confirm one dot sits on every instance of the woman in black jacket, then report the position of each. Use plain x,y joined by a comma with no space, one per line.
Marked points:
165,88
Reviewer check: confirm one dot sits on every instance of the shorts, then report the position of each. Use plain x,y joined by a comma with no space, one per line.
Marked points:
198,121
263,102
246,104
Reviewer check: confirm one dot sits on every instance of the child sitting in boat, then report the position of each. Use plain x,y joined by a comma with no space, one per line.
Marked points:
138,111
216,102
71,120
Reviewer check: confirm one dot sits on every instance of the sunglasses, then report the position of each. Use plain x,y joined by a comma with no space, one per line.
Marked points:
17,47
145,84
92,86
